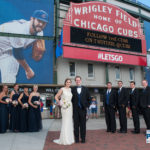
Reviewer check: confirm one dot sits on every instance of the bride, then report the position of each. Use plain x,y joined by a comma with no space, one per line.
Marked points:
65,96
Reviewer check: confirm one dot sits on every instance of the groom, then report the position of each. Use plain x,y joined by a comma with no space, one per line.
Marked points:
81,101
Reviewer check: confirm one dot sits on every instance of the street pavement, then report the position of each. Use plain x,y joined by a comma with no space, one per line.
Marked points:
43,140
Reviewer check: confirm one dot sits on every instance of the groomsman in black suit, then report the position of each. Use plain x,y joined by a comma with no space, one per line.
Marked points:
81,101
145,103
122,101
110,108
134,105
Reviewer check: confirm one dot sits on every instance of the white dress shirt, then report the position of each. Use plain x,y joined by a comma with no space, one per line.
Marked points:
108,90
133,89
120,89
79,90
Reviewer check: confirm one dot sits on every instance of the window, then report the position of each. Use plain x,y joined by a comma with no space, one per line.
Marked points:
131,74
117,71
72,69
90,71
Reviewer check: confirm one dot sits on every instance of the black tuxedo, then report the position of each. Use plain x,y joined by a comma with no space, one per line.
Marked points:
145,97
134,98
79,112
122,98
122,102
85,97
144,102
110,108
134,105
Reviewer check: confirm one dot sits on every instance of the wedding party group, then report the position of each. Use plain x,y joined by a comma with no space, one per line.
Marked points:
20,112
119,100
75,101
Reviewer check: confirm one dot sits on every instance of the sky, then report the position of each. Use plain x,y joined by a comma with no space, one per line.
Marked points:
146,2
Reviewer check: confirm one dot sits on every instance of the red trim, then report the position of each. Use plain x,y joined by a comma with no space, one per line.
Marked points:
87,54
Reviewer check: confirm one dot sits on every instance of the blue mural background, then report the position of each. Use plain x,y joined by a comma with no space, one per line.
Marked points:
147,36
23,9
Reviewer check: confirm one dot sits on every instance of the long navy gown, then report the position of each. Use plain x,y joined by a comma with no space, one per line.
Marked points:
24,115
15,111
4,116
35,121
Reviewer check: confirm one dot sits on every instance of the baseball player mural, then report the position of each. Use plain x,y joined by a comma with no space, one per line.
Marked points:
12,49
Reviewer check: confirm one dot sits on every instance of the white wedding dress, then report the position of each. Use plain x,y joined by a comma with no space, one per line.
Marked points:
66,134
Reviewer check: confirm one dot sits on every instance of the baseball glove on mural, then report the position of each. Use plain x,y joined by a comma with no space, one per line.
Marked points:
38,49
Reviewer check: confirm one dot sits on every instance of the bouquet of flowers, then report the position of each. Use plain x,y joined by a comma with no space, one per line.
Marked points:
25,105
64,104
15,102
37,103
8,100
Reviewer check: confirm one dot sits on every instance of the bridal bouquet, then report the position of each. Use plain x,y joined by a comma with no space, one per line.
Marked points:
8,100
15,102
64,104
25,105
36,102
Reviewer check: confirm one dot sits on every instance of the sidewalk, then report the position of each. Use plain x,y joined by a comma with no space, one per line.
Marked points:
43,139
25,141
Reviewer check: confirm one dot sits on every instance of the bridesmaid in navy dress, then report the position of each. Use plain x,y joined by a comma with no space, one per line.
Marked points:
23,101
4,112
34,122
14,118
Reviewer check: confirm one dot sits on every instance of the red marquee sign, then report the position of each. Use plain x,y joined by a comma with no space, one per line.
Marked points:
100,31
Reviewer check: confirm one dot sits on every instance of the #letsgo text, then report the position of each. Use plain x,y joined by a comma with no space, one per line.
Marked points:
110,57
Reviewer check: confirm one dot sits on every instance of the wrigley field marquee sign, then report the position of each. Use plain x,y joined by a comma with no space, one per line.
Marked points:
99,31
